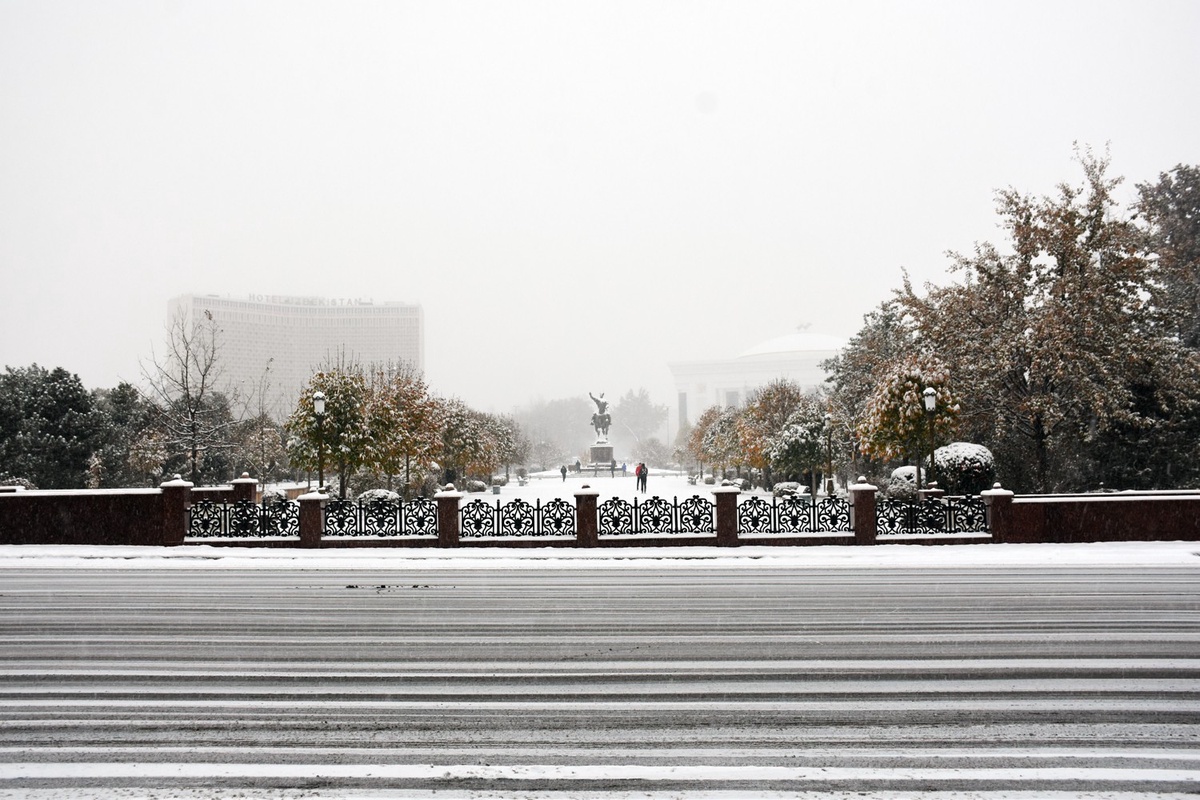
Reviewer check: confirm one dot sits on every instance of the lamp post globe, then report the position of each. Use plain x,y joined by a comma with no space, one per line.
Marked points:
318,400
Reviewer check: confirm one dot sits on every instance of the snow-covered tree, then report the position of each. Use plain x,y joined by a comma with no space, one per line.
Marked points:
147,456
896,423
721,443
1056,346
699,434
1170,209
404,422
49,427
343,436
129,422
798,447
767,412
885,339
460,438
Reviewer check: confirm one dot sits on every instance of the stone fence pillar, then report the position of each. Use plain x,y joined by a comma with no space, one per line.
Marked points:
176,496
862,511
244,488
587,529
999,504
312,518
449,525
727,523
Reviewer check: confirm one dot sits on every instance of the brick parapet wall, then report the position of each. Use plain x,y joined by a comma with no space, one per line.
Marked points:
159,517
130,517
1120,517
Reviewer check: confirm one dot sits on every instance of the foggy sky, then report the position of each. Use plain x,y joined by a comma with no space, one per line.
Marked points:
577,193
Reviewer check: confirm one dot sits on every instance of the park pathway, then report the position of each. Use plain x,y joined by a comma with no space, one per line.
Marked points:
619,682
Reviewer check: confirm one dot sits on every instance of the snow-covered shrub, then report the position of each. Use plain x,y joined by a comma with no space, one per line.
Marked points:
902,485
785,488
274,496
371,495
24,483
473,485
499,480
709,480
964,468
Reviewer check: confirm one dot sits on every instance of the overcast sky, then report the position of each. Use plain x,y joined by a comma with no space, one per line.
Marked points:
577,193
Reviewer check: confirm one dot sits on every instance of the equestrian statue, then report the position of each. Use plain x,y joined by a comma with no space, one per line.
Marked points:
601,419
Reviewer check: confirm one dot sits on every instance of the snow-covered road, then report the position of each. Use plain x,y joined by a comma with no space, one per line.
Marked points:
200,672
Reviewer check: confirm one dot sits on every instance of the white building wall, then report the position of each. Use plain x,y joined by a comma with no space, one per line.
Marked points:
700,385
295,336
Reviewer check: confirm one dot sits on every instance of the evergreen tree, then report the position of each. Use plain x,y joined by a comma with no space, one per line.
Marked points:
124,459
49,427
798,445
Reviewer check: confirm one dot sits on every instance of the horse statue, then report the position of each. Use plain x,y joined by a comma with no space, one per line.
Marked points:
601,422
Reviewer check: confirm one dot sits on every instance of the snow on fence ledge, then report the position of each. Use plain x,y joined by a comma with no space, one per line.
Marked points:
176,512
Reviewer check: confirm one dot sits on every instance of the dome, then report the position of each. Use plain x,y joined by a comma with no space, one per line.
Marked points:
800,342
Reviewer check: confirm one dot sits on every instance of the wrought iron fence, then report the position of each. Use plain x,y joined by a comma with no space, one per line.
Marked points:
208,519
948,515
479,518
656,515
381,518
793,515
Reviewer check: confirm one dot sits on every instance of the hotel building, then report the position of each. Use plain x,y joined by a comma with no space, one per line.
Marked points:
287,339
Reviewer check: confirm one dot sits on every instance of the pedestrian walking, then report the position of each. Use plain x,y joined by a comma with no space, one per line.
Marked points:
563,470
640,474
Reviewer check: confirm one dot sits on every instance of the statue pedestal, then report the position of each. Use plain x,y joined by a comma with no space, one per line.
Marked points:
602,455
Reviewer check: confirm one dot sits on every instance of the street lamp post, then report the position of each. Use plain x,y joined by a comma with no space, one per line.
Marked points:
929,398
318,399
828,455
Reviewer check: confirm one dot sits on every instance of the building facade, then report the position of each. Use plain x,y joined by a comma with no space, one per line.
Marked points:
727,383
272,344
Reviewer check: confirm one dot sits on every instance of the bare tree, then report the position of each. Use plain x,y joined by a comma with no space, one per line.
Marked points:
194,416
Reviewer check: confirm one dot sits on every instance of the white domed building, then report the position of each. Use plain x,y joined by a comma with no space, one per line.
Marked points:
728,382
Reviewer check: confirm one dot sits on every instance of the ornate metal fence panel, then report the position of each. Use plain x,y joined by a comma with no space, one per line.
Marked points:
966,515
517,518
208,519
419,517
657,516
381,518
793,515
932,516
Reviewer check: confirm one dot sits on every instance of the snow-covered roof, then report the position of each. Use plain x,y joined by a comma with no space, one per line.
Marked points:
799,342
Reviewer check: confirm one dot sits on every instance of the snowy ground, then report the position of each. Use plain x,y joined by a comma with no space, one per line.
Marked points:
1000,556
